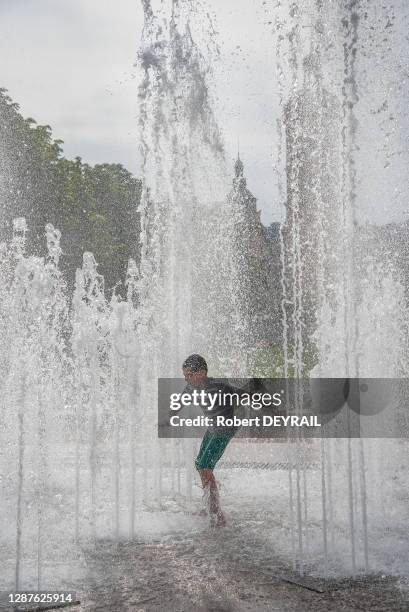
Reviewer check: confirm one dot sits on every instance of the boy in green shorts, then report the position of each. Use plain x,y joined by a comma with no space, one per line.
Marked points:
215,439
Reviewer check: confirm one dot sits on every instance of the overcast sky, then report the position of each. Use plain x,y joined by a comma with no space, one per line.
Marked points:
70,63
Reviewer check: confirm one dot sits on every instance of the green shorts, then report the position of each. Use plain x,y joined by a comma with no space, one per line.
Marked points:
212,448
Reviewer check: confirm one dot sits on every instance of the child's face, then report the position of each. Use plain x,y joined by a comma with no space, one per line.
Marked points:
194,378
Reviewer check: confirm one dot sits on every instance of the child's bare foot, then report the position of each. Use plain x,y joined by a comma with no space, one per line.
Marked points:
217,519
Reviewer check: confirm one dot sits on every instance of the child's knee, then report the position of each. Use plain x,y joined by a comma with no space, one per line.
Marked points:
206,476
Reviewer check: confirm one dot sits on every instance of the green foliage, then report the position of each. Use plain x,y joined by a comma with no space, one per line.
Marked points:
268,362
94,207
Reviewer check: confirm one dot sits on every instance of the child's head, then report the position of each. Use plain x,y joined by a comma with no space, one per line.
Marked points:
194,369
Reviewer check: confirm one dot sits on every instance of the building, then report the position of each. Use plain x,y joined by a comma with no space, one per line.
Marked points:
258,267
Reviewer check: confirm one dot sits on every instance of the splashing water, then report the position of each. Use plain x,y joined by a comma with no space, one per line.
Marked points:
79,375
345,296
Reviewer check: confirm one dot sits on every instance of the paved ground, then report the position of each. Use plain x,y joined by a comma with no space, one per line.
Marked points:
177,563
218,571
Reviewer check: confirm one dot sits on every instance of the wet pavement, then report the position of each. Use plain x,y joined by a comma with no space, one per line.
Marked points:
217,571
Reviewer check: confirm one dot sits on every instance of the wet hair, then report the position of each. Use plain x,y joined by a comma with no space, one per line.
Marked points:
194,363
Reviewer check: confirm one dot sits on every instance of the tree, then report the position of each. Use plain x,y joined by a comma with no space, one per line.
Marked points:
95,207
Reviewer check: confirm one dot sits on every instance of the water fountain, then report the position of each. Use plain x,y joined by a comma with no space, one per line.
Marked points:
80,458
328,270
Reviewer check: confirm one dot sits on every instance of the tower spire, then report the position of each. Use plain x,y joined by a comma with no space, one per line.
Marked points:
238,166
240,195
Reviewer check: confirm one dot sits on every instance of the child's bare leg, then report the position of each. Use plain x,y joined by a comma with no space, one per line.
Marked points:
209,484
